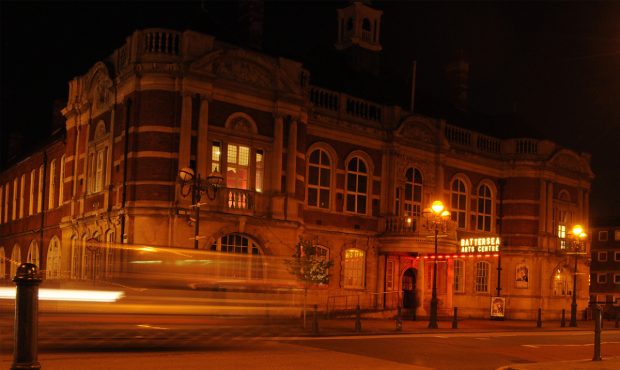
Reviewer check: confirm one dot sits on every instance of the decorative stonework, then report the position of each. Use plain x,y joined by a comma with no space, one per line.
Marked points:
241,124
350,125
404,265
427,168
568,162
418,131
243,71
100,130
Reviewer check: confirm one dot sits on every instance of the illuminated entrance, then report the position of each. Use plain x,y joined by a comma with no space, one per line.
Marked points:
409,284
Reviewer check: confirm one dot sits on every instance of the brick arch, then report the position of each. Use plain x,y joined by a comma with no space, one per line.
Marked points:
248,232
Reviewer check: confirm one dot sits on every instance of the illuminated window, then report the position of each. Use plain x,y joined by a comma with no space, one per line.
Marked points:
238,167
357,186
485,206
319,179
53,259
6,202
482,277
459,203
216,154
16,260
563,282
242,258
390,275
617,235
31,203
602,236
33,253
260,170
52,184
22,190
562,236
459,276
602,256
2,263
354,268
413,192
601,278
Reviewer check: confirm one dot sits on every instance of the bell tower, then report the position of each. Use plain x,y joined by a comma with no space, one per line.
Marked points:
358,35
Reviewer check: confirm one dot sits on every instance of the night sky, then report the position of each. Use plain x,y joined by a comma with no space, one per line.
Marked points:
555,64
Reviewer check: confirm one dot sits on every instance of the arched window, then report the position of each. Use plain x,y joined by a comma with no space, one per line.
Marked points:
485,207
2,264
243,259
33,253
413,192
31,203
75,258
319,179
14,213
6,202
52,184
366,24
357,186
16,260
563,282
354,264
459,203
53,259
22,189
459,276
482,277
40,200
61,185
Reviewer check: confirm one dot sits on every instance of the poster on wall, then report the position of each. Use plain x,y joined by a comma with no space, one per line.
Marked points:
498,308
523,276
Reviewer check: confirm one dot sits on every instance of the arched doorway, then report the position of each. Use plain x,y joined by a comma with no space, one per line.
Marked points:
409,284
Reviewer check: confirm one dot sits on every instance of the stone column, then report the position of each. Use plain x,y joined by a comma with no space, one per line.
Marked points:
185,139
277,200
203,141
420,288
550,208
449,280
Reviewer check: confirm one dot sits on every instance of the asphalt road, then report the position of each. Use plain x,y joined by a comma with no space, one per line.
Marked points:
399,351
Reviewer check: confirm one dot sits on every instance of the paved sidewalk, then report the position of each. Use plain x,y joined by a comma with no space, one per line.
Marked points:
612,363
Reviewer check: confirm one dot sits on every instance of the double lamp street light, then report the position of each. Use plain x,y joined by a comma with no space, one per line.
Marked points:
579,238
199,187
437,217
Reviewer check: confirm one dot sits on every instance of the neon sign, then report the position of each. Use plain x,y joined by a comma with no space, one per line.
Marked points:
479,245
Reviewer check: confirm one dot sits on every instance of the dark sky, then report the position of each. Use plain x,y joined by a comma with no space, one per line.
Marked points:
556,64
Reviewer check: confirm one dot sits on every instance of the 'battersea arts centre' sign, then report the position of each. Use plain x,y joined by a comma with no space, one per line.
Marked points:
479,245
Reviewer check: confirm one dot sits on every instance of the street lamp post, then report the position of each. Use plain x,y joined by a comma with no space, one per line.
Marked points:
437,218
198,187
578,240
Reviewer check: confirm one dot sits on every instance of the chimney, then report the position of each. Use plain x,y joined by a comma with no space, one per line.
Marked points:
15,145
457,71
250,22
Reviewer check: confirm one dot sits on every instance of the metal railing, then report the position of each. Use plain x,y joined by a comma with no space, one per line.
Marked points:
366,301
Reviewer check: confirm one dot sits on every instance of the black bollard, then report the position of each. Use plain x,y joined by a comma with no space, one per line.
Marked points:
358,323
563,323
25,352
455,323
399,324
315,323
539,323
597,334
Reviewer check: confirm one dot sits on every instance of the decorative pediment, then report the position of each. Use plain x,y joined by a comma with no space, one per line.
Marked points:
243,71
568,160
418,129
98,86
427,168
241,122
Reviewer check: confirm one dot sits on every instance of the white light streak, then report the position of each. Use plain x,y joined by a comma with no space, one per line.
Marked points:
68,295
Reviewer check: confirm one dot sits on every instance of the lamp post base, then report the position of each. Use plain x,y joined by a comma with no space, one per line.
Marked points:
573,315
433,322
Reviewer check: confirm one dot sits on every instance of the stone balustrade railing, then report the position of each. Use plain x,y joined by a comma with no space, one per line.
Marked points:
398,225
346,105
240,199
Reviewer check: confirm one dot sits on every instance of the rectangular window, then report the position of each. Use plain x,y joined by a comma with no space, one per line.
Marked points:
616,278
354,268
14,199
31,205
6,202
617,256
21,196
61,187
617,235
601,278
260,170
216,153
390,275
40,193
482,277
602,236
238,167
561,231
52,184
602,256
99,176
397,205
459,273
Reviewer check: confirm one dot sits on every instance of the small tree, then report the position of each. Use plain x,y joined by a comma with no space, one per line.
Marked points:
307,268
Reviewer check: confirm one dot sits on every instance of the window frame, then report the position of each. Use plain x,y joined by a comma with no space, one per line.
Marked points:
616,278
460,288
617,256
482,280
16,259
318,186
348,261
34,257
455,210
237,166
61,185
602,254
54,254
357,194
52,189
484,198
617,235
22,189
40,192
14,210
416,206
389,275
599,276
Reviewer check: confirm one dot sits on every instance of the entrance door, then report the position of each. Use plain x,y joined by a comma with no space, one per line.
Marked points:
409,281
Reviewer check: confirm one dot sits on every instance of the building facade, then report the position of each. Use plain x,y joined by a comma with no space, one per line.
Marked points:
298,160
605,267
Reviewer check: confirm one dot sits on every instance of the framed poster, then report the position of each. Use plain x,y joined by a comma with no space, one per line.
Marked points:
522,276
498,307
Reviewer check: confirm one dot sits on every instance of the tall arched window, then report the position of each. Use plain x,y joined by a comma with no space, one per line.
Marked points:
482,277
319,179
61,185
243,258
354,263
14,212
563,282
459,276
31,203
485,207
2,264
53,259
413,192
357,186
52,184
33,253
22,189
16,260
6,202
459,203
40,199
